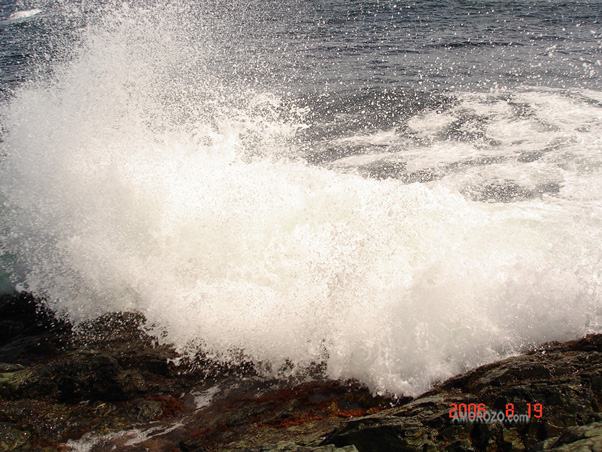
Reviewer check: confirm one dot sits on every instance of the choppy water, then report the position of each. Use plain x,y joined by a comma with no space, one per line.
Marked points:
401,190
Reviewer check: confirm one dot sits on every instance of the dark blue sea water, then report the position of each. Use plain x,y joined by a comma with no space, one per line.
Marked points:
401,190
311,45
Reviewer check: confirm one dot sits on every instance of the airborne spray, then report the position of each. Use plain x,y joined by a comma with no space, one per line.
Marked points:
168,166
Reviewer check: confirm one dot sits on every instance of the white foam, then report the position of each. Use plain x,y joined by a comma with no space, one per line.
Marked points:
387,137
132,437
20,16
138,180
204,398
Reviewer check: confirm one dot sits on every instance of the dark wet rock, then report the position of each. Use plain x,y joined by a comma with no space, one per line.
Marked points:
257,413
13,439
9,329
147,410
8,367
58,384
32,314
289,446
563,379
575,439
109,382
12,384
35,332
80,375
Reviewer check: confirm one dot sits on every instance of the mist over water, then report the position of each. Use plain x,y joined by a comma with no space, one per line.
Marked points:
298,184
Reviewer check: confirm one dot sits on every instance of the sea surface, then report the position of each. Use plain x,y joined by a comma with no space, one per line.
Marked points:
397,190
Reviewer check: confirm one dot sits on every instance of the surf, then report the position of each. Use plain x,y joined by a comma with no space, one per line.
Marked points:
22,15
140,177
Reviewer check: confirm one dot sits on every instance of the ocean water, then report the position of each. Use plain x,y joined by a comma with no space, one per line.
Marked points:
399,191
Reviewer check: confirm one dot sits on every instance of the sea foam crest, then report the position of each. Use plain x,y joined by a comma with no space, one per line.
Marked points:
139,179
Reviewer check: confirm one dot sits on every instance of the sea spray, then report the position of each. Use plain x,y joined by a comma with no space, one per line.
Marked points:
147,176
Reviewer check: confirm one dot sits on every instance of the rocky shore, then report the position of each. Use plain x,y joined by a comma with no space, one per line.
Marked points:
109,386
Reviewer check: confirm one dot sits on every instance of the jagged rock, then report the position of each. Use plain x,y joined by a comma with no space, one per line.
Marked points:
289,446
147,410
12,439
8,367
75,377
14,383
575,439
564,379
34,333
58,383
9,329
